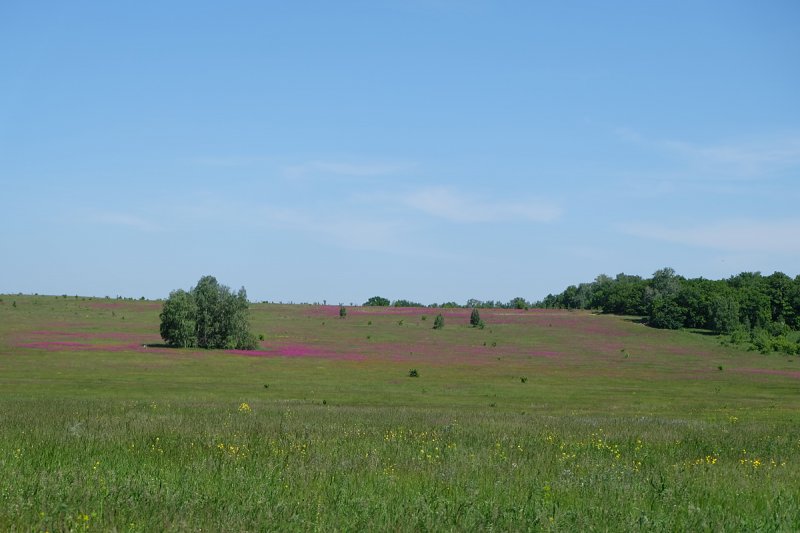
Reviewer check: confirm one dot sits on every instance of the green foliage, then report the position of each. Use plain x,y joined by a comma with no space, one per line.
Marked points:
413,373
724,314
665,313
178,326
406,303
654,443
769,307
518,303
377,301
766,341
342,312
208,316
438,322
475,318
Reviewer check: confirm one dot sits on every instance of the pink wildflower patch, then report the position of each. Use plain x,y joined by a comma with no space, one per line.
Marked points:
56,345
298,350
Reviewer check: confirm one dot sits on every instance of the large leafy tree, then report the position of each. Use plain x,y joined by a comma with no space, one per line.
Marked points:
178,327
724,314
210,315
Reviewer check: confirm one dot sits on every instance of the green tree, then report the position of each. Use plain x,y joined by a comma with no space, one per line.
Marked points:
208,316
518,303
475,318
665,313
780,290
438,322
342,312
377,301
406,303
178,320
724,314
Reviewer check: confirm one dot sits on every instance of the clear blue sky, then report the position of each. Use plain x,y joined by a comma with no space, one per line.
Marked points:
426,150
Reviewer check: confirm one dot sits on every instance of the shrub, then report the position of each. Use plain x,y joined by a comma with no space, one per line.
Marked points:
475,318
438,322
413,373
342,312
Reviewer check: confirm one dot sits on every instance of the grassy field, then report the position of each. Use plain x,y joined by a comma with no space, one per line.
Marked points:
543,420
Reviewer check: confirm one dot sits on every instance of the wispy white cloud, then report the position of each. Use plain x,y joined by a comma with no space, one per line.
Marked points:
445,203
352,168
232,161
732,161
346,231
356,169
736,235
126,220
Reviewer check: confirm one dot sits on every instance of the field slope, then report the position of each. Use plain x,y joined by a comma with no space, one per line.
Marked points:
542,420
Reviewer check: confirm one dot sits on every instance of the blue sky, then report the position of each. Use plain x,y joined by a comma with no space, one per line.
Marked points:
426,150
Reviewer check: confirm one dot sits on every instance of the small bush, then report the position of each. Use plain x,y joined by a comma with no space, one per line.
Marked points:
475,318
438,322
413,373
261,336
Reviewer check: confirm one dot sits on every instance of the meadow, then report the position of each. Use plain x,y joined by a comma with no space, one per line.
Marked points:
547,420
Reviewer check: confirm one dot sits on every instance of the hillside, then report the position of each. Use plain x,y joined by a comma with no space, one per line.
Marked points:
551,419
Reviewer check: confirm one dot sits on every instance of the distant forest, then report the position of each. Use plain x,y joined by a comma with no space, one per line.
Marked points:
761,310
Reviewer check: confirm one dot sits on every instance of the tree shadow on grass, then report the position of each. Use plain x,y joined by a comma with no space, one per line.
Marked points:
704,332
636,320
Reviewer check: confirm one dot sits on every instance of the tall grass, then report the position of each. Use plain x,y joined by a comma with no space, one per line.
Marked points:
148,466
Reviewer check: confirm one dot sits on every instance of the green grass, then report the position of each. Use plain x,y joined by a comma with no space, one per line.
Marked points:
616,426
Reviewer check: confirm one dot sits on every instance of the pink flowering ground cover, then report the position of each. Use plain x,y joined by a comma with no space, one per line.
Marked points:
298,350
517,342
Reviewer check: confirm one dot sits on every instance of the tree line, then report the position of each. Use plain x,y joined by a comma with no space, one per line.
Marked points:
762,310
515,303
